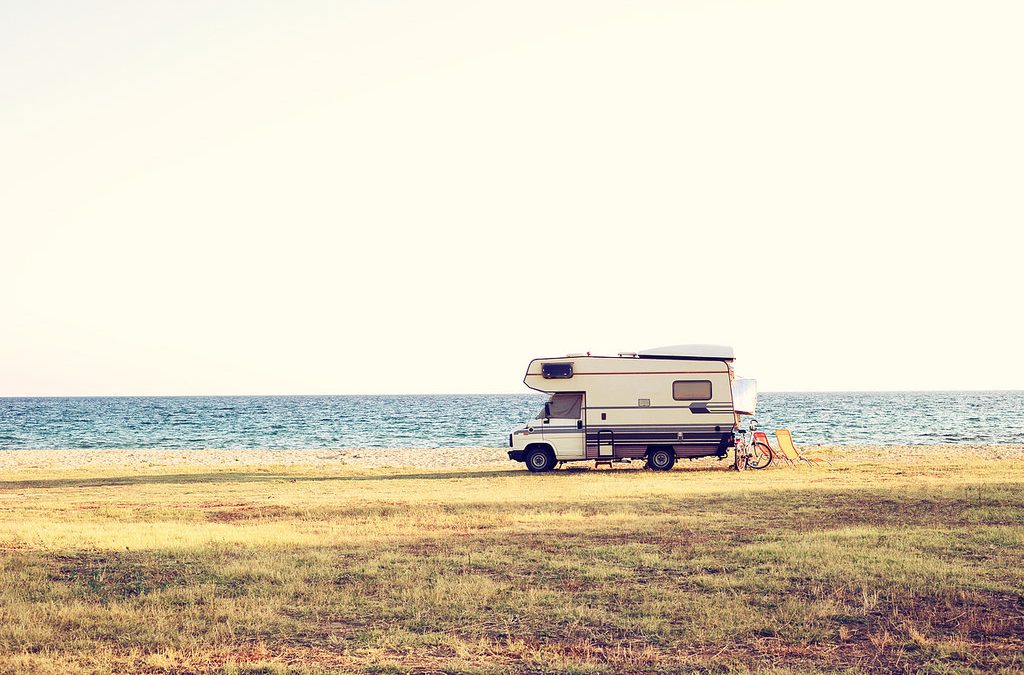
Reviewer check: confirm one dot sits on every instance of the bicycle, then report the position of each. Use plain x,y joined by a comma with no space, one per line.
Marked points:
751,454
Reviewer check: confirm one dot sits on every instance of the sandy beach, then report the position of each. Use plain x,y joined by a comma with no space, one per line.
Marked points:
427,458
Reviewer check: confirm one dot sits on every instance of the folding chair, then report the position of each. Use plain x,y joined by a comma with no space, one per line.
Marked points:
786,445
762,437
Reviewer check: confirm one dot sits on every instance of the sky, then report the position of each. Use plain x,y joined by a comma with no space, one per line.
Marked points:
419,197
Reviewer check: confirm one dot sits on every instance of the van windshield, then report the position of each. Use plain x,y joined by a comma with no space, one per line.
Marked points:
563,406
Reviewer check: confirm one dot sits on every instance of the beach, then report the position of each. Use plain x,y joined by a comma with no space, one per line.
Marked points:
434,458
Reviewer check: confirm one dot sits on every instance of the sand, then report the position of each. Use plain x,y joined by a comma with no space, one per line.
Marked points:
432,458
213,457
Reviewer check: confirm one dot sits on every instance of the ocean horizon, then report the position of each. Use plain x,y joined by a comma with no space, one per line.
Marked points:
459,420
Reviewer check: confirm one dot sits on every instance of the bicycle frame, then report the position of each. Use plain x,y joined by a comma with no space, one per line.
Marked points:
746,449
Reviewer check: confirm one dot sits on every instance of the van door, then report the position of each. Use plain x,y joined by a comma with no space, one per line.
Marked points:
563,426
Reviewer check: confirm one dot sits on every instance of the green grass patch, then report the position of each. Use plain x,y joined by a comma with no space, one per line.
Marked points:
858,567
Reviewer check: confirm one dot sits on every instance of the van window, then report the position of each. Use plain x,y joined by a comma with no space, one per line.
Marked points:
556,371
691,390
564,406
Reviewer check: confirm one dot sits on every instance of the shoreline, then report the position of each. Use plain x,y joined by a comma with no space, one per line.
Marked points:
431,458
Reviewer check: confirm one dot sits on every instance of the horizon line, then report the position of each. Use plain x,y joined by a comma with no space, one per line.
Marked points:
529,393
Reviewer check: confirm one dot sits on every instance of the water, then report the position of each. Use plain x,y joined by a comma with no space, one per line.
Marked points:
240,422
907,417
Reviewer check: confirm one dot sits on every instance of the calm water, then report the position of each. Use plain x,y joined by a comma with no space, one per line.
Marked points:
449,420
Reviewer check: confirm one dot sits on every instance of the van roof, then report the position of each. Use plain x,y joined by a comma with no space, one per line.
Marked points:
717,352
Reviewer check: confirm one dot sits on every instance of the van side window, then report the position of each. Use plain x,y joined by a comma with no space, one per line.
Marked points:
563,406
556,371
691,390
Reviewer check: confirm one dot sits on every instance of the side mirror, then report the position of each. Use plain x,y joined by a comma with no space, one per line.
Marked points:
547,409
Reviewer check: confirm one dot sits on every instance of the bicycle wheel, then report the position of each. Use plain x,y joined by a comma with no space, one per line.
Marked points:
741,458
760,456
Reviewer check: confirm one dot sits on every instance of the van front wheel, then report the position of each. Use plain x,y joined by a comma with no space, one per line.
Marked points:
661,459
539,460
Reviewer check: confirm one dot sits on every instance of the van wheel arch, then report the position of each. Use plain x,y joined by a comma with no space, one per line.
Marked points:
539,457
661,457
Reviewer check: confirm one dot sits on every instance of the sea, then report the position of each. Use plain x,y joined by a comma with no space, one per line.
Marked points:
273,422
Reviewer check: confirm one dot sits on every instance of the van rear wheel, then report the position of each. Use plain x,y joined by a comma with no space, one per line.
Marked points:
661,459
539,460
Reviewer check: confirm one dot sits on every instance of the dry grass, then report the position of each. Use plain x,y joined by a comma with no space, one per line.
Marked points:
862,566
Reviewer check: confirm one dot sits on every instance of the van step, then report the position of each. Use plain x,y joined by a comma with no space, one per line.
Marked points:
615,460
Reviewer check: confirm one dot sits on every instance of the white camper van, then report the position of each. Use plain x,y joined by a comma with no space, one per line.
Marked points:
660,405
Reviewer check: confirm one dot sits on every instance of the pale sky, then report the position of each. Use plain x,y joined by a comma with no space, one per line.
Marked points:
416,197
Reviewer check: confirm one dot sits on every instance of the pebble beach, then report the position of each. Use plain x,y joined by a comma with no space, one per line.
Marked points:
429,458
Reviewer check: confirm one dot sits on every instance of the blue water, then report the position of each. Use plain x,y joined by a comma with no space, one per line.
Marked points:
452,420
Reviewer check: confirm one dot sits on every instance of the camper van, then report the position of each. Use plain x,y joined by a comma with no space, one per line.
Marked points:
657,405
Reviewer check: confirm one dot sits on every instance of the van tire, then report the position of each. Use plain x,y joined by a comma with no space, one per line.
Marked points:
539,460
661,459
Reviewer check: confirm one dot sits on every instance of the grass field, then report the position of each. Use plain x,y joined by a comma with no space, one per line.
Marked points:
860,566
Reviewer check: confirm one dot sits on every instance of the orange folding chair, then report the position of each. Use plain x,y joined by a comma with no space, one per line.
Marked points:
762,437
787,447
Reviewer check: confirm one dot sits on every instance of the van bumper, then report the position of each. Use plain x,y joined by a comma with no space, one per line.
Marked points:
516,455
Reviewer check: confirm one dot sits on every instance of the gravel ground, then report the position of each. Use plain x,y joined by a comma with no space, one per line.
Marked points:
158,457
439,458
